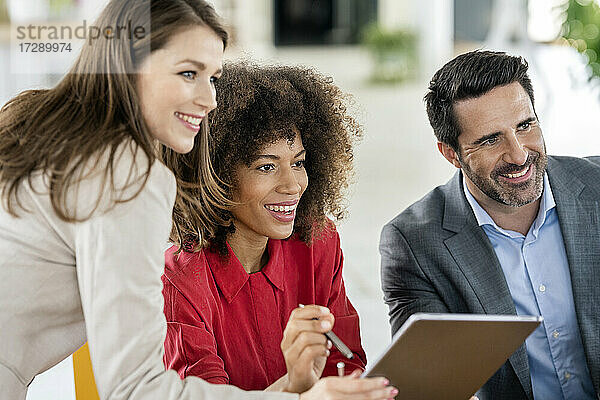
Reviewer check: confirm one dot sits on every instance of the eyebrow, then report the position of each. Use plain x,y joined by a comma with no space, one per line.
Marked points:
274,157
496,134
527,121
200,65
486,137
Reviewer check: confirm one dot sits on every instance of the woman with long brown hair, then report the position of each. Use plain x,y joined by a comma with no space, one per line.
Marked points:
87,189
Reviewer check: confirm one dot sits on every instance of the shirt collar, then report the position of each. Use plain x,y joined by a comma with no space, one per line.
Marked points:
547,203
230,276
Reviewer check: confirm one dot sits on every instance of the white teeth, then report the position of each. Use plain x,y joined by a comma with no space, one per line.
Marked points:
519,174
189,119
281,208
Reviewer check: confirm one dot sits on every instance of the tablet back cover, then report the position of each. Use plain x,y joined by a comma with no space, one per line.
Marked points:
450,356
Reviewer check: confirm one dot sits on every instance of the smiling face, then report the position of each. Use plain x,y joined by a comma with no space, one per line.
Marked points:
501,147
176,86
269,190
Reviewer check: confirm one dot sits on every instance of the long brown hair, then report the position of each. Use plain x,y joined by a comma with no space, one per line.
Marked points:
95,107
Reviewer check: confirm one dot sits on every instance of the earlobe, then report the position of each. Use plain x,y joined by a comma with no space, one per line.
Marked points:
449,154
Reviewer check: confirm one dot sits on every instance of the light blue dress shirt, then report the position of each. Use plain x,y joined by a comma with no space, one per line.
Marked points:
537,273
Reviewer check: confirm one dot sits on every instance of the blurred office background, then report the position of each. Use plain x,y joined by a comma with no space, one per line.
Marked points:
383,52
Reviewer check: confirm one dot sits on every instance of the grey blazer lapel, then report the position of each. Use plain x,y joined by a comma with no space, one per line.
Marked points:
474,255
579,217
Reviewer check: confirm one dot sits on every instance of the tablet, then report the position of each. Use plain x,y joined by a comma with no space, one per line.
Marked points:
449,356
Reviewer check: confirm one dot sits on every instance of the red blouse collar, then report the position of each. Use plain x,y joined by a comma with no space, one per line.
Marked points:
230,275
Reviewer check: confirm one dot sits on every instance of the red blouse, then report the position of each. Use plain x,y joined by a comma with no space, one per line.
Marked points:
225,325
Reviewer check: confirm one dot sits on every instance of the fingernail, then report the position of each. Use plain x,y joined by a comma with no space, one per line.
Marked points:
329,344
325,324
324,310
385,382
327,352
394,392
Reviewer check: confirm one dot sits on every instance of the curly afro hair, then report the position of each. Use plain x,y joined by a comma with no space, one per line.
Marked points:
259,105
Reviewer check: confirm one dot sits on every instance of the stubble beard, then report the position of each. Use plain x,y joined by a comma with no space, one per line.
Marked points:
511,194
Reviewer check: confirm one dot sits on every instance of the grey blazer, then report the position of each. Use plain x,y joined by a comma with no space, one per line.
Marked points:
435,258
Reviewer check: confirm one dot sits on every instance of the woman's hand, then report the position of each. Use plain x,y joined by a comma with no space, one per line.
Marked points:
350,388
304,346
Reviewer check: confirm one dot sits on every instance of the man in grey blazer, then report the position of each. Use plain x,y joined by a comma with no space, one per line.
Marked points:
513,232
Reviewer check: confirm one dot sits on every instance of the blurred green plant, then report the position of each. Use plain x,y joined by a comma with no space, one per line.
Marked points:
3,12
393,52
581,28
58,7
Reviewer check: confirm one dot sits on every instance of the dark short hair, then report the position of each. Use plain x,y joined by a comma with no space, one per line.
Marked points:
467,76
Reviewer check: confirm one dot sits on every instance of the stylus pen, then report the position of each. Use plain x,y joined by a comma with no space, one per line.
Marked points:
337,342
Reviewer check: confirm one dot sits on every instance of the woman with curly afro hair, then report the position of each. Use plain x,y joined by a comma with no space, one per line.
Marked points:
282,145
